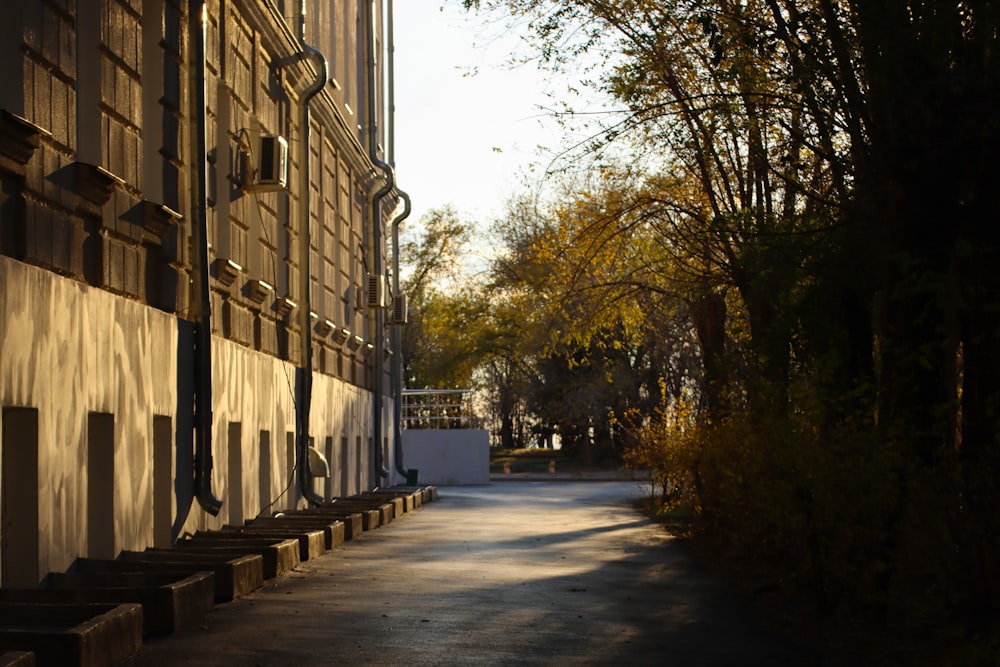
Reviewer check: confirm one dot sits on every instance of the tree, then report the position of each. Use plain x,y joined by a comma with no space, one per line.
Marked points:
743,190
590,338
815,181
438,344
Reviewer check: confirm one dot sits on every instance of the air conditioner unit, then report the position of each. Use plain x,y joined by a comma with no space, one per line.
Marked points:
271,162
399,310
375,292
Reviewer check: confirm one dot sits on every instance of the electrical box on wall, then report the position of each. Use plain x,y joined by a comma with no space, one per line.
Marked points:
268,164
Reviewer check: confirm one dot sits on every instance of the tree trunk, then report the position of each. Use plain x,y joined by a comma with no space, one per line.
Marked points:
708,312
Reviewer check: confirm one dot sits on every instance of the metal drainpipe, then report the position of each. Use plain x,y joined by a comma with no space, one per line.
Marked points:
379,315
397,346
396,339
304,404
375,212
203,307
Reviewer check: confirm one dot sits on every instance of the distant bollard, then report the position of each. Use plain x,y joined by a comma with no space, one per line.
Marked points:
506,467
552,466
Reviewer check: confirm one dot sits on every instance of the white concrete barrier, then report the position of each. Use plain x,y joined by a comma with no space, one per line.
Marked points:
448,456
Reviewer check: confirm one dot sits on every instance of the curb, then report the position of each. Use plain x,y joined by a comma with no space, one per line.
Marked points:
595,476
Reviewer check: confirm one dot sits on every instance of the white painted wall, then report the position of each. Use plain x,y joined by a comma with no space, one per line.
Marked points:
448,456
68,349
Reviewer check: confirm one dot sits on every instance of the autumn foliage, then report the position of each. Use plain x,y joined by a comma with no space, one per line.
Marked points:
769,278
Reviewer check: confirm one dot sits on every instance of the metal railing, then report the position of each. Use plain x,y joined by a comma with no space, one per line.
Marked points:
437,408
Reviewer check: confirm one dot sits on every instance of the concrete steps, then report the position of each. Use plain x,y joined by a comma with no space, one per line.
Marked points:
333,529
170,600
235,576
311,542
280,555
353,521
87,635
17,659
371,517
96,613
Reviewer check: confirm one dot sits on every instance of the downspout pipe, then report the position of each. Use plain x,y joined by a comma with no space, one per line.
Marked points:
304,404
198,16
396,340
379,315
397,345
380,471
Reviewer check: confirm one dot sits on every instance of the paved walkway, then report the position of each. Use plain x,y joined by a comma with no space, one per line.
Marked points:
516,573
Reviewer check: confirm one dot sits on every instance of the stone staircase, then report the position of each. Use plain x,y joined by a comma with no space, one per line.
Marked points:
97,613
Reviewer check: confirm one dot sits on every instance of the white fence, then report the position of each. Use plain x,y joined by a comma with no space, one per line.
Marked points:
437,409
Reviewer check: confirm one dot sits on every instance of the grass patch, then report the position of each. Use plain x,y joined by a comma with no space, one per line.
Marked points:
538,460
674,513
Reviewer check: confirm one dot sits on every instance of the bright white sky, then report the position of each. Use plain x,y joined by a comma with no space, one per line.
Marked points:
463,138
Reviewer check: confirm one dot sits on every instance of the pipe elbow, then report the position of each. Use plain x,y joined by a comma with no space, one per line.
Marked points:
388,177
323,76
405,213
203,485
210,503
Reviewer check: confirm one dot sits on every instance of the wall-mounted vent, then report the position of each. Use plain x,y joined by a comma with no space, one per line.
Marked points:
375,292
271,162
318,465
399,309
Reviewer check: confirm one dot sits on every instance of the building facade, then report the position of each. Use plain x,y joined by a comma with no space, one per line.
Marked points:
193,206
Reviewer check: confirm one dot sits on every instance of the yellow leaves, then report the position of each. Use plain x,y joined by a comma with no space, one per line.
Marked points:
666,445
601,253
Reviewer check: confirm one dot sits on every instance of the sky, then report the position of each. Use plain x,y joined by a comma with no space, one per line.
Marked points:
466,123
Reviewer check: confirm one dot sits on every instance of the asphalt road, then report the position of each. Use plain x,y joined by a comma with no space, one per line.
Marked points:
515,573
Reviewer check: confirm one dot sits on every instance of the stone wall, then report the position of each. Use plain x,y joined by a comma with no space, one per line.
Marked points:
96,265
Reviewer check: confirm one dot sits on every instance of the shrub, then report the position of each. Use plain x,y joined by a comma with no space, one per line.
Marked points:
661,444
819,508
